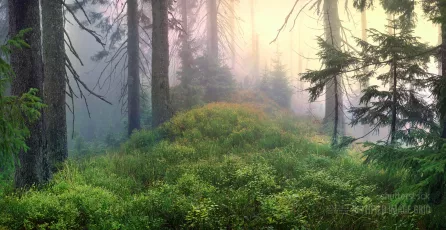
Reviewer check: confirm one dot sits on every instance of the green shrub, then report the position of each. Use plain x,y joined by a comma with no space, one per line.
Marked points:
222,166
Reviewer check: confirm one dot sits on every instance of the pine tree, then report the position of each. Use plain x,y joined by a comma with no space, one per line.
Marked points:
401,106
335,64
133,79
32,167
161,108
16,112
55,81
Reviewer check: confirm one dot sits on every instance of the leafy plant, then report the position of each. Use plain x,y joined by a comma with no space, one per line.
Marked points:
16,112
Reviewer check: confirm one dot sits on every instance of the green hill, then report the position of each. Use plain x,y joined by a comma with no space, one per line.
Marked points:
222,166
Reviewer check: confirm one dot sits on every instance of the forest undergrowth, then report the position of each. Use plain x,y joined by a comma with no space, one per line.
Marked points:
221,166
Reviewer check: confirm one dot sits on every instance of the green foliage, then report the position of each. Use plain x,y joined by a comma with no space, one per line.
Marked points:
335,65
423,176
275,84
16,113
203,82
216,167
407,58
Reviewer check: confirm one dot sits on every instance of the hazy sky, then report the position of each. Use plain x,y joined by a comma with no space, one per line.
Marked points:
270,15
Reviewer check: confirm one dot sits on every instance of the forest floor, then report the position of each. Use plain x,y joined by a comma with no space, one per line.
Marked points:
221,166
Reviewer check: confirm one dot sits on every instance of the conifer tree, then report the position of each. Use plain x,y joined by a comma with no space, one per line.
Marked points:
335,64
401,106
275,83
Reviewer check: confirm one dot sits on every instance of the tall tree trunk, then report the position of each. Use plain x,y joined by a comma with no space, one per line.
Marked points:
442,96
366,128
186,55
133,81
333,104
394,102
213,30
160,63
54,90
32,166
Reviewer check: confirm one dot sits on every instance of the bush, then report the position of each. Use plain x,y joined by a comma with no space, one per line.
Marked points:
221,166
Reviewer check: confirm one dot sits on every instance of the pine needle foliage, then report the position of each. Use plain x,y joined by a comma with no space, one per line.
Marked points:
16,112
401,106
275,84
336,63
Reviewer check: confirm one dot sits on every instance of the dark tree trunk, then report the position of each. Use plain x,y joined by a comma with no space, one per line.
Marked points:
133,81
160,63
55,83
333,105
32,166
394,102
442,93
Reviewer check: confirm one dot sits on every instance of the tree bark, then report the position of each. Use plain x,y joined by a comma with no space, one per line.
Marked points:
394,102
442,94
55,83
31,166
133,81
333,103
160,63
186,55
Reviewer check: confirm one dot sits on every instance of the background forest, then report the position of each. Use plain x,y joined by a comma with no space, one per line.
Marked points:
161,114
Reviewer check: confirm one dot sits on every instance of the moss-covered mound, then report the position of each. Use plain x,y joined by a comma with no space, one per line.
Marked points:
222,166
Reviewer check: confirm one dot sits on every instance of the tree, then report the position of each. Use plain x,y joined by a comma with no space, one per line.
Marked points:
160,63
133,81
435,11
55,84
333,89
32,165
335,64
15,111
401,106
123,49
275,84
332,32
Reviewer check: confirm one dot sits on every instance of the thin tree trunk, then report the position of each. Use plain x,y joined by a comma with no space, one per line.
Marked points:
31,166
133,81
366,127
160,63
333,104
213,30
442,95
186,55
54,92
394,102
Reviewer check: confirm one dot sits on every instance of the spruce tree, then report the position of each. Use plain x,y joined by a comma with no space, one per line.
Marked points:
401,106
335,64
275,83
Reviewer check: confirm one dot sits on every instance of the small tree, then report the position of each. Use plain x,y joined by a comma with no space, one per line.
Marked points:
335,64
401,106
216,81
275,83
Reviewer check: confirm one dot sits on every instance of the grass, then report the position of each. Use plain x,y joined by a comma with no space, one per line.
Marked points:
222,166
